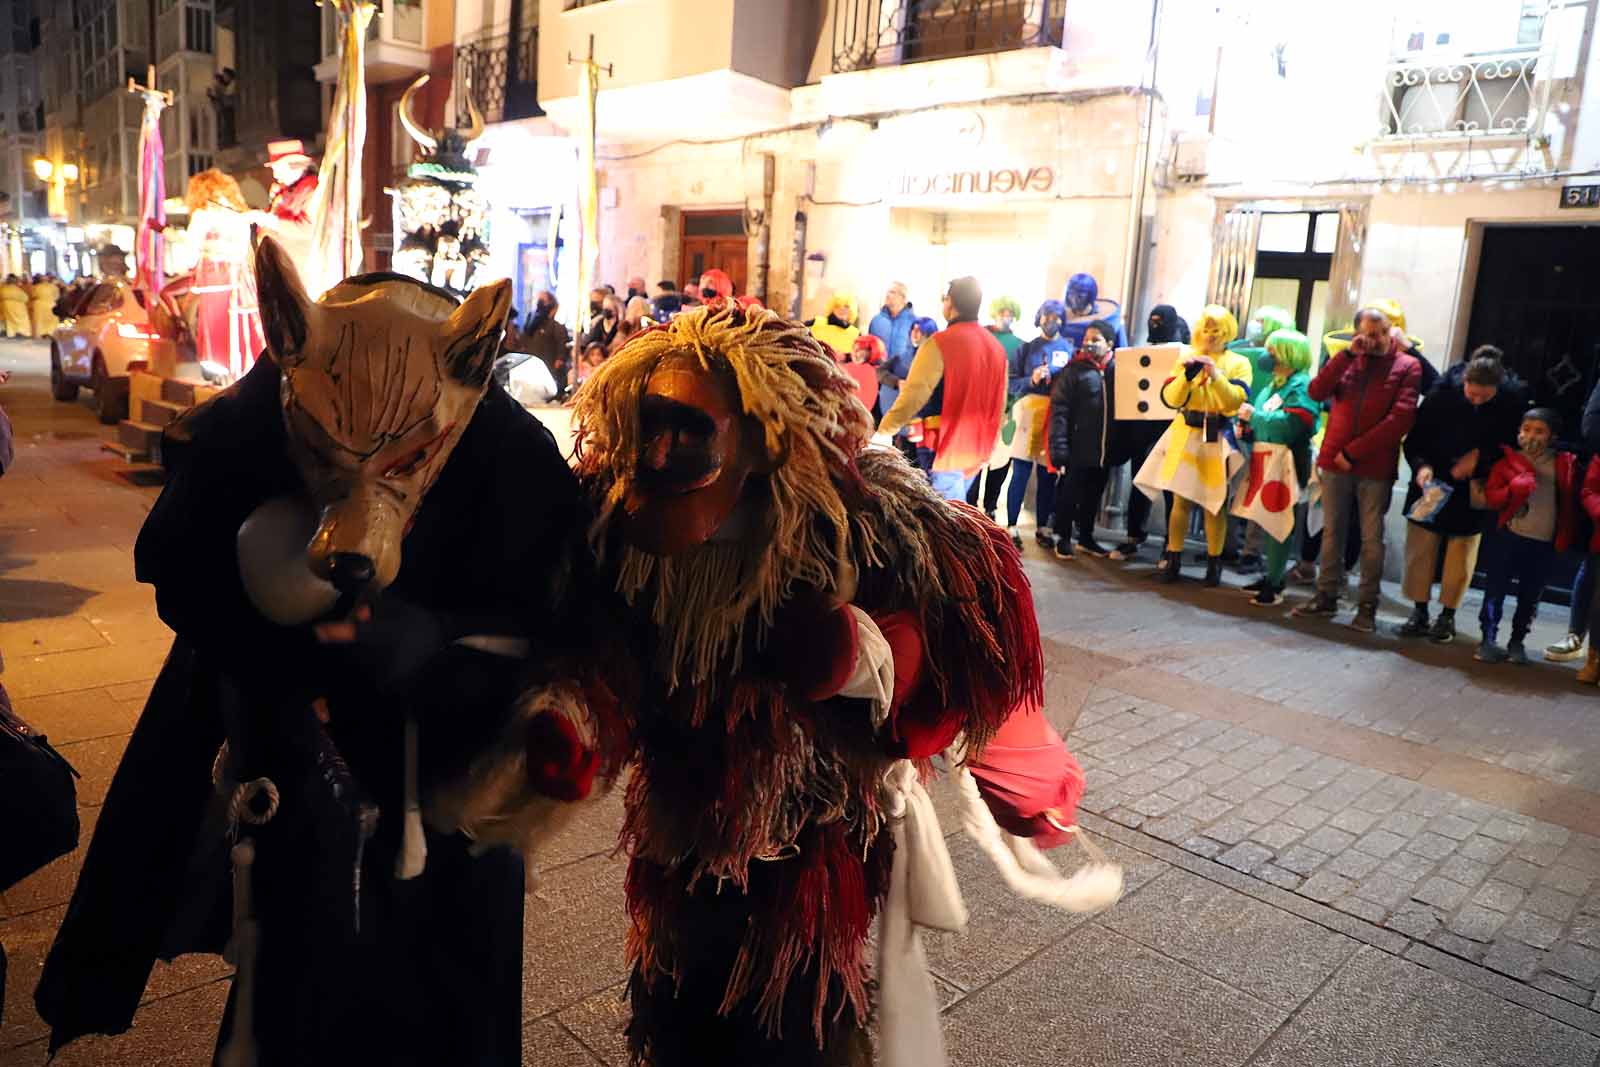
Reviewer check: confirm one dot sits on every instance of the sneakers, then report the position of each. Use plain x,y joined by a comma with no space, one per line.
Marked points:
1016,536
1366,619
1213,576
1303,574
1064,550
1489,652
1257,585
1443,630
1125,551
1418,624
1093,548
1517,652
1320,606
1565,650
1269,596
1046,538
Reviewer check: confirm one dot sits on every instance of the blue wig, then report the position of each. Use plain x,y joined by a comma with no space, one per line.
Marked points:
1049,307
927,325
1082,292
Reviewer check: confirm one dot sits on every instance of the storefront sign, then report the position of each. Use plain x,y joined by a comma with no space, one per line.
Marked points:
1580,196
1001,181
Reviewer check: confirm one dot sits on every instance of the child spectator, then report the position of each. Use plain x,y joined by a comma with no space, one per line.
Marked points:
1080,423
1531,488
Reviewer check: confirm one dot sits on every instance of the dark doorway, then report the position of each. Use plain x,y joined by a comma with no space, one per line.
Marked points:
713,239
1535,300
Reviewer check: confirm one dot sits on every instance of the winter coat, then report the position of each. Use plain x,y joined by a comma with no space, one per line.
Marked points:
1372,403
1512,481
1447,427
1589,496
1080,414
895,333
1284,414
839,339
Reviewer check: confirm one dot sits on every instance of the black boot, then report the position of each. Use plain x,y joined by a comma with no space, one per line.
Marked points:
1418,624
1213,576
1174,569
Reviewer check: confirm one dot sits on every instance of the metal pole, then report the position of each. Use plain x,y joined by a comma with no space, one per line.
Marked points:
1141,173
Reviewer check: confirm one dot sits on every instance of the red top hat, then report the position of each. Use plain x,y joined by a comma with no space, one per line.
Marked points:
286,152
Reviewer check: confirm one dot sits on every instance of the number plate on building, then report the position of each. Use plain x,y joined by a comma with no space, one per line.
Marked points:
1580,196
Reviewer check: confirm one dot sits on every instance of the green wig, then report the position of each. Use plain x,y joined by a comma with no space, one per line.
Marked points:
1273,319
1291,348
1004,303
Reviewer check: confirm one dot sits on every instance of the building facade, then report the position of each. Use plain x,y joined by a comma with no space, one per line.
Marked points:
22,197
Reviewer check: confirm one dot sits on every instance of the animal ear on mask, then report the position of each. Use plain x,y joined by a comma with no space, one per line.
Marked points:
474,332
285,307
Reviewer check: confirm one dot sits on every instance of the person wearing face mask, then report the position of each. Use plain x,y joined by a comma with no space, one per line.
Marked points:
1081,403
1281,413
637,287
1471,414
837,329
607,322
715,285
1133,439
544,336
1198,454
1035,363
1370,390
1532,488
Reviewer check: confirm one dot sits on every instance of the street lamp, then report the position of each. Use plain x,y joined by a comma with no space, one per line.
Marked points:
46,171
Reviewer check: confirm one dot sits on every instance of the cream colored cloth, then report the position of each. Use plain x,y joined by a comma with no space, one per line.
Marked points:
923,892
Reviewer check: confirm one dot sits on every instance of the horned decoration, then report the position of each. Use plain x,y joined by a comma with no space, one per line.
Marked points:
441,220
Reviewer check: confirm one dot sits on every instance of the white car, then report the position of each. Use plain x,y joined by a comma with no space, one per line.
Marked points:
105,335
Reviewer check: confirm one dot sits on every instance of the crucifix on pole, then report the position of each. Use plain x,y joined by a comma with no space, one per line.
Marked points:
149,270
588,194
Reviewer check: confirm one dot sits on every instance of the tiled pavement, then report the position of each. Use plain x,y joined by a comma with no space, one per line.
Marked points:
1380,818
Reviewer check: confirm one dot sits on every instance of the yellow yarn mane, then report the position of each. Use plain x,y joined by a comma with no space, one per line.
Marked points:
811,424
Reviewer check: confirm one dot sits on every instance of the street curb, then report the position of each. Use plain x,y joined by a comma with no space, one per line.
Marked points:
1385,940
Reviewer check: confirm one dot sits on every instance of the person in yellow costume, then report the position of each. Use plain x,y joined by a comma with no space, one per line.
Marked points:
42,297
837,328
14,300
1197,455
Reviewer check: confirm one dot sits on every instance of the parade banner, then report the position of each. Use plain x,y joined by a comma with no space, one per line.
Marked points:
1271,491
336,206
1183,462
147,243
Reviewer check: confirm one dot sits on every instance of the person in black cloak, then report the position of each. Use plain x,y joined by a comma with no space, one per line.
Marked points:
366,550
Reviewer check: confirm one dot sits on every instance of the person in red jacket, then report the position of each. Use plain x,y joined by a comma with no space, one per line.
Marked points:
1589,497
1531,488
1370,390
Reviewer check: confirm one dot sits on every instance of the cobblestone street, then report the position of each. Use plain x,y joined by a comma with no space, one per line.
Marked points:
1341,849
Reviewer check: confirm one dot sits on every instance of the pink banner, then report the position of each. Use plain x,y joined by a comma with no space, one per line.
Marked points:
152,199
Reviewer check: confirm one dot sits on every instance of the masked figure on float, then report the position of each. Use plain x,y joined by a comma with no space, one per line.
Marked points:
805,619
226,323
1085,305
364,549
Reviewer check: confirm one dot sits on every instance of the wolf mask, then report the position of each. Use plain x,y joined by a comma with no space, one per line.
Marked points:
380,377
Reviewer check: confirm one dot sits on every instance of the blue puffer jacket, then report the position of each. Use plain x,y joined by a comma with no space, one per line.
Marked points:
895,333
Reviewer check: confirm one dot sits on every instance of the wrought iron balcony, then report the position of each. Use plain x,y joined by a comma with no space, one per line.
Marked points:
881,33
1496,95
501,76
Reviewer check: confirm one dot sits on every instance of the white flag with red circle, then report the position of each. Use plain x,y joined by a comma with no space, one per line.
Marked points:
1270,492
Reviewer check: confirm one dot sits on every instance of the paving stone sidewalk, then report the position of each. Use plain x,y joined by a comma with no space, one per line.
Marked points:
1520,896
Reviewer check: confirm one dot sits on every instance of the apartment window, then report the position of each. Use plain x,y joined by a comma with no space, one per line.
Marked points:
198,30
405,21
1450,27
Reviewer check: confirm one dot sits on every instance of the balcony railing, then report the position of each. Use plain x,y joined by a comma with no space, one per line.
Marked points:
881,33
1498,95
501,77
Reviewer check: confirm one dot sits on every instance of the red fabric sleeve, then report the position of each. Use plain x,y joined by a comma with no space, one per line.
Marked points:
1304,416
1026,771
1590,493
921,725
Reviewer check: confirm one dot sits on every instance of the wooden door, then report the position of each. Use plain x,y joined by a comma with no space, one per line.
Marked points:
713,239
